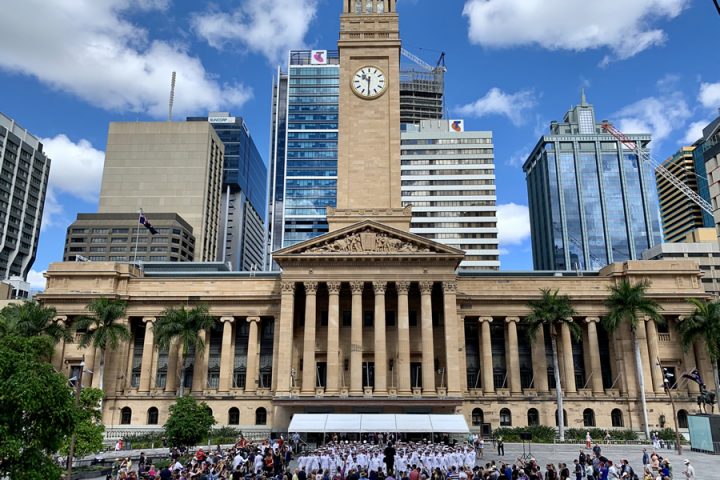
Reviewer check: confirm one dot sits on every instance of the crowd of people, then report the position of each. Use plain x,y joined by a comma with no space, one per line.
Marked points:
384,457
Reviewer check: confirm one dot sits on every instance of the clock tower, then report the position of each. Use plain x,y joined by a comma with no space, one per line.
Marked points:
368,185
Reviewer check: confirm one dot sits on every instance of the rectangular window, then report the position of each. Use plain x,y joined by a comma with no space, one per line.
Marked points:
346,318
368,319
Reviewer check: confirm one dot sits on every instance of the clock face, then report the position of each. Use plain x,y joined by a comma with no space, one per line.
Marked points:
369,82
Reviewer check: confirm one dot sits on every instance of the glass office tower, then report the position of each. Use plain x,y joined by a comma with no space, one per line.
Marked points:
592,201
304,137
244,196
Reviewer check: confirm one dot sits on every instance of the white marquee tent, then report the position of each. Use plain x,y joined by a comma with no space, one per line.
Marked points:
377,422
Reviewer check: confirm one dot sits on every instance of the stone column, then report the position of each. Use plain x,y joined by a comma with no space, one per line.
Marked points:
147,354
200,367
568,359
513,354
308,374
452,362
227,355
285,332
356,339
59,352
381,363
96,368
426,330
462,352
594,353
539,357
403,366
334,365
654,353
253,349
486,358
642,339
171,380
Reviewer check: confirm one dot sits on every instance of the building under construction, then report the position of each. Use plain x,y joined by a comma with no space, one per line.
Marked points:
422,90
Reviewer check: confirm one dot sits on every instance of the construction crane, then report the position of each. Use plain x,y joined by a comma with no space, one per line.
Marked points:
666,174
440,66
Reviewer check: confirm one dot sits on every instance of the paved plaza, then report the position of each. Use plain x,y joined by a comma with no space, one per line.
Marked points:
707,467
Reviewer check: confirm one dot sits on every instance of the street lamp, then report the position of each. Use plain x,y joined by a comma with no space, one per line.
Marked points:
73,439
667,378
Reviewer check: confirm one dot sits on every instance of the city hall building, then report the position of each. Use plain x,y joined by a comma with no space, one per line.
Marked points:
370,318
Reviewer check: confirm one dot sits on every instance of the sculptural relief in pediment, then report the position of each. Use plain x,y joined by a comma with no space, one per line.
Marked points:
368,242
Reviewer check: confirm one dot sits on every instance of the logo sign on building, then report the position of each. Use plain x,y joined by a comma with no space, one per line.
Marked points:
318,57
221,119
457,125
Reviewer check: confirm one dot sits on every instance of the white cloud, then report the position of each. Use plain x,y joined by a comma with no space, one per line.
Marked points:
518,158
268,27
87,48
36,280
694,132
513,224
76,169
658,116
625,27
710,95
496,102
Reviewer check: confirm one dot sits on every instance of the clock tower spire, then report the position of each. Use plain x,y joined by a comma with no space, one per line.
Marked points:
368,184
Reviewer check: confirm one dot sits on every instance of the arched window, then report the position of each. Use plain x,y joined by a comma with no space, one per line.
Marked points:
588,417
565,420
234,416
478,417
617,418
260,416
152,416
682,419
533,417
505,418
125,416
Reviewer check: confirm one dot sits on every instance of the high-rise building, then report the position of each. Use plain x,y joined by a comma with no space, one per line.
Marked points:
119,237
710,147
23,183
167,167
592,201
448,177
679,214
304,142
244,196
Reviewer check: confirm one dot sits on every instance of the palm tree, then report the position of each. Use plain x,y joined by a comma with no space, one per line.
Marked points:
704,323
628,302
183,325
553,310
102,329
30,319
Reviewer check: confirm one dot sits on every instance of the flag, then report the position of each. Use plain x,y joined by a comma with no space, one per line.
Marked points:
143,221
694,375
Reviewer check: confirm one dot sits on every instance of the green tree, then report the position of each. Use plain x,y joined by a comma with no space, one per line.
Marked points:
30,319
553,310
102,329
89,428
704,324
628,302
189,422
182,326
37,411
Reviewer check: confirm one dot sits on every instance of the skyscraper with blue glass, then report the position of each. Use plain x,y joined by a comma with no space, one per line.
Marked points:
304,139
242,234
592,201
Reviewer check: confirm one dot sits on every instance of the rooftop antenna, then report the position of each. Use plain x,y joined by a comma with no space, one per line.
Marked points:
583,98
172,96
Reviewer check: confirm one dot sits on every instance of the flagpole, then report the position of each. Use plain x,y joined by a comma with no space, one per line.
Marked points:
137,237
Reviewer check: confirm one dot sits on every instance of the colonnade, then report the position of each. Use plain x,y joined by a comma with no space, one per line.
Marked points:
379,346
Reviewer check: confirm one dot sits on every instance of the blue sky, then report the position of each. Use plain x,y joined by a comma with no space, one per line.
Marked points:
69,67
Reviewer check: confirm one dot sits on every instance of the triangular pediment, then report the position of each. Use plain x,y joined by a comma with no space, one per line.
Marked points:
368,239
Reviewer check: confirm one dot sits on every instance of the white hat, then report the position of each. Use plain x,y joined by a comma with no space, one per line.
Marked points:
686,461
